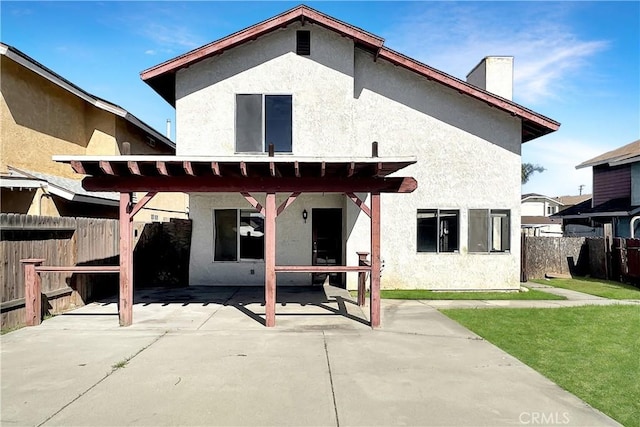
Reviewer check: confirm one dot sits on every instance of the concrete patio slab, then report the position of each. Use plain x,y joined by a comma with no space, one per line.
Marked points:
199,358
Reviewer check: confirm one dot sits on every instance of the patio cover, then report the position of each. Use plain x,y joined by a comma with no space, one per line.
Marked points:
246,174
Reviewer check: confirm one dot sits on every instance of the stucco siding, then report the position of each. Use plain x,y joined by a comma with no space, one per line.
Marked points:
468,155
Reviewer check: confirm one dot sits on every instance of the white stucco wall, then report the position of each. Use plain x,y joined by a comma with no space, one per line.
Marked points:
538,207
468,156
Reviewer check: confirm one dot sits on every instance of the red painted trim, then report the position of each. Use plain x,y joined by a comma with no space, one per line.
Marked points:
253,202
105,167
162,168
359,203
320,268
142,203
125,307
133,168
212,184
260,29
89,269
270,260
375,261
77,167
292,198
467,89
188,168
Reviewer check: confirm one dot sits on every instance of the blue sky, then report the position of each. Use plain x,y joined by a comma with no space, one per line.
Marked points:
576,62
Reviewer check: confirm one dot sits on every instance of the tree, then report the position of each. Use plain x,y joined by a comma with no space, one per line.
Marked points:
529,169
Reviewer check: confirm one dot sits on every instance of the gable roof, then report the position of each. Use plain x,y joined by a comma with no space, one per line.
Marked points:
162,76
526,197
629,153
26,61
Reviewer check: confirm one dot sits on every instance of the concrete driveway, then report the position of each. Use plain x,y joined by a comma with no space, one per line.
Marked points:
199,356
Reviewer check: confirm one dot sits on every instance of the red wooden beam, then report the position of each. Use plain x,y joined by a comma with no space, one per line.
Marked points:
243,168
188,168
374,304
212,184
133,168
321,268
270,260
141,203
88,269
379,169
296,167
351,169
162,168
77,167
32,291
215,168
292,198
125,307
105,167
360,203
253,202
272,168
323,168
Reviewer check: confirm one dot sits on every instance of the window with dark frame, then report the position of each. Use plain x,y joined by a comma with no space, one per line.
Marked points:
303,42
489,230
262,120
438,230
238,235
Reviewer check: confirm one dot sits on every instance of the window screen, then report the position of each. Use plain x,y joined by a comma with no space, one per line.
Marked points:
249,123
478,230
500,231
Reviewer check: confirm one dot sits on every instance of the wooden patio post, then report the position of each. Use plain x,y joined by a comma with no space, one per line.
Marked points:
270,260
375,261
125,307
32,292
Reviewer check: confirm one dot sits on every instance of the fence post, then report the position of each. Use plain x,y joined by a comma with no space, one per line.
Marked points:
32,291
362,277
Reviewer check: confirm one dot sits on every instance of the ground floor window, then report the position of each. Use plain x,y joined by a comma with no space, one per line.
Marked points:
238,234
489,230
437,230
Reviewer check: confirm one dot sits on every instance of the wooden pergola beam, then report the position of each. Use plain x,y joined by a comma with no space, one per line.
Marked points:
270,260
78,167
215,168
125,299
188,168
374,290
141,203
105,167
212,184
162,168
292,198
253,202
359,203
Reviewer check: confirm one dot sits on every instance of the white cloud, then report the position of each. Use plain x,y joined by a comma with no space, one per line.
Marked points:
455,37
149,52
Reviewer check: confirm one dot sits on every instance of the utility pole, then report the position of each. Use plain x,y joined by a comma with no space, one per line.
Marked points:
581,186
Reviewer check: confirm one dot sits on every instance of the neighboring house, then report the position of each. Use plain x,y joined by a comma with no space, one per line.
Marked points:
43,114
616,194
536,211
317,87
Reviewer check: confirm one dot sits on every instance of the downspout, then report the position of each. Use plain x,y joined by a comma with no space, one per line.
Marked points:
633,220
44,194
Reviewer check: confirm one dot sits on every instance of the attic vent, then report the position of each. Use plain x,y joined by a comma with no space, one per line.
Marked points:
303,42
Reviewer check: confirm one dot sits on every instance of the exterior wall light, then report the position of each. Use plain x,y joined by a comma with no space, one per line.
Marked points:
305,215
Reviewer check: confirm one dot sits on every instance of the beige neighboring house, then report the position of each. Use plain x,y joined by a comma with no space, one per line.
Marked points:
43,114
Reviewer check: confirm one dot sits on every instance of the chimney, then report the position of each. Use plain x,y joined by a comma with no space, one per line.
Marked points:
494,74
168,135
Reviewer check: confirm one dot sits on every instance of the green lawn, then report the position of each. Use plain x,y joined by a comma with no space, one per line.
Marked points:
423,294
601,288
591,351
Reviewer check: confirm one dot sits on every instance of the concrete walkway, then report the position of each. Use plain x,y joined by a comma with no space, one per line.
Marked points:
203,357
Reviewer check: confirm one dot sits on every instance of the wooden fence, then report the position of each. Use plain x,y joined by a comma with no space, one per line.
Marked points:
576,256
161,257
61,242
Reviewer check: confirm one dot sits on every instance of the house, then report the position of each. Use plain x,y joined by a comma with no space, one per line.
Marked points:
302,96
44,114
616,195
536,211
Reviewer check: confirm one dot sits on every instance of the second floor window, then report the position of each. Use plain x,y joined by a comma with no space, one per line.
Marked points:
262,120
